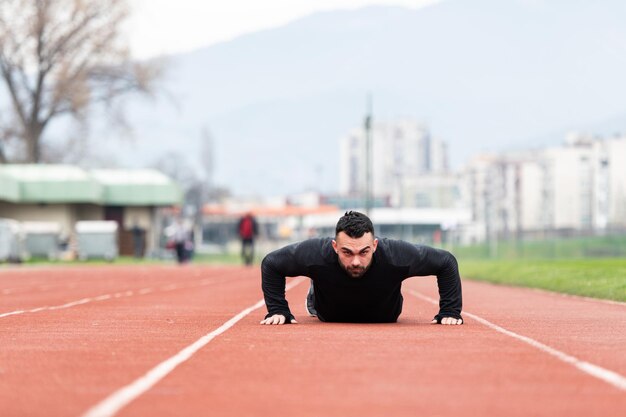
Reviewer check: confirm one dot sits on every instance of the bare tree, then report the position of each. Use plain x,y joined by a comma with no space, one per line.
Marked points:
179,168
207,155
60,57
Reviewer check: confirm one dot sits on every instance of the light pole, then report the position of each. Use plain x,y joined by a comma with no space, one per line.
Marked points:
368,157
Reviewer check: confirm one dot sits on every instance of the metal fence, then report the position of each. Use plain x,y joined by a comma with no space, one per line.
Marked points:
549,247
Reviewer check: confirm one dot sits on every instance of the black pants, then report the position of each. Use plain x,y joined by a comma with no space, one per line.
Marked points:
181,253
247,251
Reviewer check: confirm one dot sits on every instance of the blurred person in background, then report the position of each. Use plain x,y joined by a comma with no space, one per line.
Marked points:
180,239
139,239
356,277
247,229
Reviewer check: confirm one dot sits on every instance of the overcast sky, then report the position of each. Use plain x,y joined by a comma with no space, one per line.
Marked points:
169,26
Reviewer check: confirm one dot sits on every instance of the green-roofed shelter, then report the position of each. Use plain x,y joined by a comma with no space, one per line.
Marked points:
48,184
66,194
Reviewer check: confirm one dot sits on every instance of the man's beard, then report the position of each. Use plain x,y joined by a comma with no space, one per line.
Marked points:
355,272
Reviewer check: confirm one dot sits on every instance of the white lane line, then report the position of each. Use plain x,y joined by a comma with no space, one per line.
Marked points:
103,297
12,313
596,371
39,288
125,395
70,304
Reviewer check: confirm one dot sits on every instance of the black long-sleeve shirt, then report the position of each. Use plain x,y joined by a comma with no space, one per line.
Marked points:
373,298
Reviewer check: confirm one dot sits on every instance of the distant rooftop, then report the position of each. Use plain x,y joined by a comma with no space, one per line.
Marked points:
42,183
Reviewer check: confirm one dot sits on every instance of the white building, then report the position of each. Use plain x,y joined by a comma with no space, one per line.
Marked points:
578,187
409,166
610,183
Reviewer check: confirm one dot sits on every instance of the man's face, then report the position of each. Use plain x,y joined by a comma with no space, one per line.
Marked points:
355,254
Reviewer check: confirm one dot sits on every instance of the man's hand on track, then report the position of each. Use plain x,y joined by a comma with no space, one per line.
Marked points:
280,319
276,319
448,321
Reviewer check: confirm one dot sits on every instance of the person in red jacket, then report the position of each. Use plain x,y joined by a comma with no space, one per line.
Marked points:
248,230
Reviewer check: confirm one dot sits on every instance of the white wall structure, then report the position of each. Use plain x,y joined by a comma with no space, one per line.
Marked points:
611,167
532,195
570,168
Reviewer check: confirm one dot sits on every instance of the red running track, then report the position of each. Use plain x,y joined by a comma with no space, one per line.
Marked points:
151,341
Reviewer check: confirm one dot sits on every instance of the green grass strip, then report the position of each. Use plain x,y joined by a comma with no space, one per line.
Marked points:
598,277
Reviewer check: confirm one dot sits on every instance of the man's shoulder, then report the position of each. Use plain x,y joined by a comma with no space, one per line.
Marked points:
388,244
397,252
306,249
315,249
297,258
306,253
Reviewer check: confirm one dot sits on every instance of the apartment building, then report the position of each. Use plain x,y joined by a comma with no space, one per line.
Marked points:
577,187
409,166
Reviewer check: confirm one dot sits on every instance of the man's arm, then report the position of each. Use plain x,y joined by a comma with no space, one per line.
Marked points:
275,267
424,261
450,290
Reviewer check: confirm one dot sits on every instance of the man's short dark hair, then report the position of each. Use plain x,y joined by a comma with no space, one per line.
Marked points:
354,224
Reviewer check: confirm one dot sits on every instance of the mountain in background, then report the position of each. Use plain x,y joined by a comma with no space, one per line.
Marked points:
483,75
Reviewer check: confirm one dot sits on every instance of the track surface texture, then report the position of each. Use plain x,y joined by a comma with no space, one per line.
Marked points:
186,341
